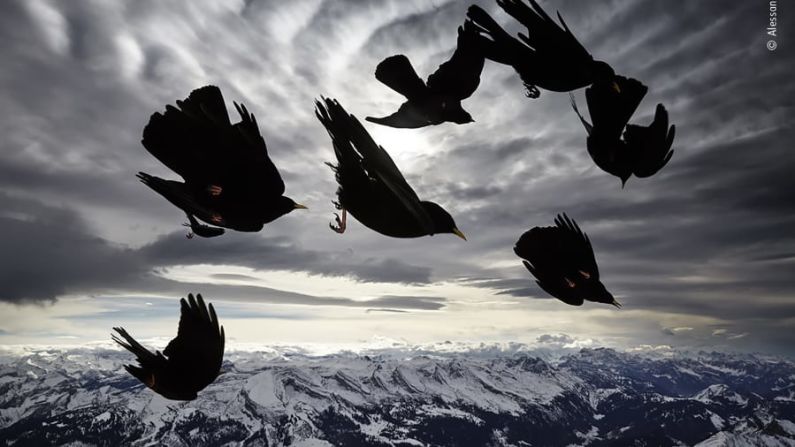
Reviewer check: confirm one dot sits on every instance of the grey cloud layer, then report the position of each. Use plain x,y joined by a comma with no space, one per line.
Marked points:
710,236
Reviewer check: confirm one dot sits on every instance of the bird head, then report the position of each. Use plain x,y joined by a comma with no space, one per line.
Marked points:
286,205
457,114
442,220
599,294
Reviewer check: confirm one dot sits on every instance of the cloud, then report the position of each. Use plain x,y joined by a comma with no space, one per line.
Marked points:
706,243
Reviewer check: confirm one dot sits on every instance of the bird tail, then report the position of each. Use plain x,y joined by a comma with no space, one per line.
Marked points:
397,73
147,360
174,192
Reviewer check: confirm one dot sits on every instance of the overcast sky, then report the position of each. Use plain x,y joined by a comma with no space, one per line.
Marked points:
701,255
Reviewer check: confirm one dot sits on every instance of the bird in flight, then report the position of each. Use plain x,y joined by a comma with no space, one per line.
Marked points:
229,179
548,56
644,150
562,261
371,188
190,362
438,100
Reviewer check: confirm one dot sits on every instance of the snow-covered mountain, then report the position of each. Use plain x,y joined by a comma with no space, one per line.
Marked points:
592,397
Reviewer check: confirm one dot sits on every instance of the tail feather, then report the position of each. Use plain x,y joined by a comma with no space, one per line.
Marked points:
397,73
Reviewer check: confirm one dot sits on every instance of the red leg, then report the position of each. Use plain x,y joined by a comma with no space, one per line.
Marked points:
341,223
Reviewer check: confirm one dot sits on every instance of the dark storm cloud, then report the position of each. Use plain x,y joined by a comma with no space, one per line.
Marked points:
279,253
46,252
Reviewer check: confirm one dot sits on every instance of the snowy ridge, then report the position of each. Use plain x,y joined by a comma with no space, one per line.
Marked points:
590,397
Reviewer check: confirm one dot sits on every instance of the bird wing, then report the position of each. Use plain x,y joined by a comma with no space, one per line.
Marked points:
185,138
459,76
539,251
354,145
543,34
651,146
199,344
397,73
254,171
495,43
408,116
576,247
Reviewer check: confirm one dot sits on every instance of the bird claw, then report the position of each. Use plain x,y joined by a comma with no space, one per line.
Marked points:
189,235
216,218
532,91
341,223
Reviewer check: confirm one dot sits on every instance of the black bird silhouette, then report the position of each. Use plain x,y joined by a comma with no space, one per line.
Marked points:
200,229
194,356
548,56
371,187
230,180
561,259
440,99
644,150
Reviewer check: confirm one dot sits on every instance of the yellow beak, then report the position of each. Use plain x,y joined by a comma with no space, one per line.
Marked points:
298,206
458,233
616,87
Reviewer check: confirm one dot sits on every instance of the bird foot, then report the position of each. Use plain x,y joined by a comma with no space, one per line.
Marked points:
341,223
532,91
189,235
216,218
215,190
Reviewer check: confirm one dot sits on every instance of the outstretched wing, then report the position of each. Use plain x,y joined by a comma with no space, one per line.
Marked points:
253,171
185,138
354,145
539,249
397,73
199,345
459,76
576,248
543,34
651,146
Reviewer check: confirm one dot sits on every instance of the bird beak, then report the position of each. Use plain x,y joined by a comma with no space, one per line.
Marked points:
298,206
458,233
616,303
616,87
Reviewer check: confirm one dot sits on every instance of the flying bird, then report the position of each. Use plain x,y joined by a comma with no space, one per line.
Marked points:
548,56
562,261
438,100
643,150
371,188
229,179
190,362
